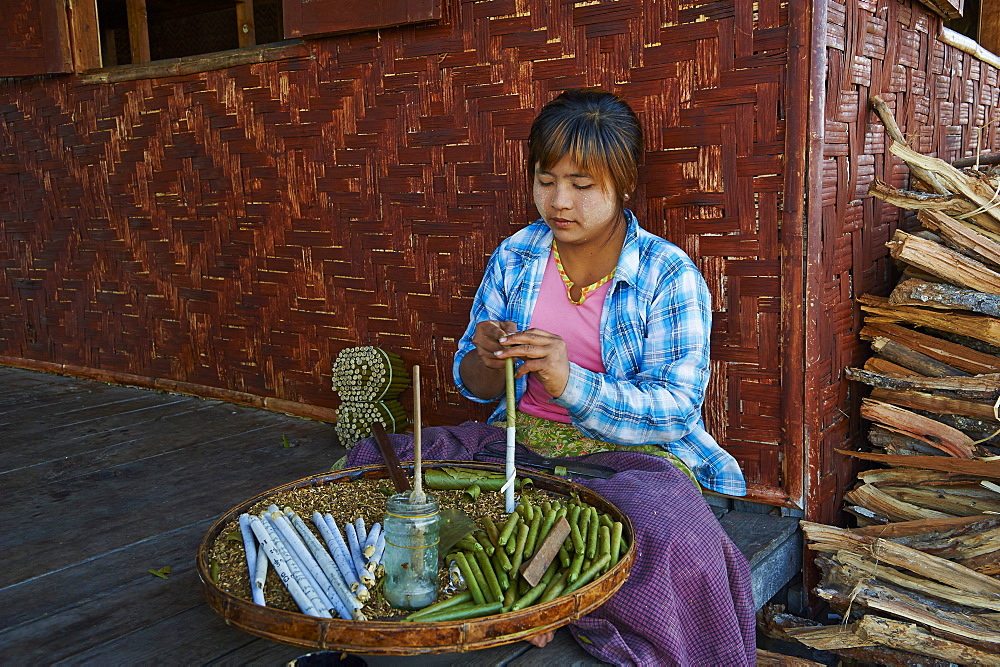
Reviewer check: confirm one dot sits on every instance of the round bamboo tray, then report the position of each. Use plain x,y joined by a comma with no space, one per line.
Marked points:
397,638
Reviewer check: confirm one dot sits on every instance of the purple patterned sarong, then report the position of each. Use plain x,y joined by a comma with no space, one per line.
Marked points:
687,600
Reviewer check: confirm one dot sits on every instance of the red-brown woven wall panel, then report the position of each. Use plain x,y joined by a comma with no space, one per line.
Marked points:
238,228
939,96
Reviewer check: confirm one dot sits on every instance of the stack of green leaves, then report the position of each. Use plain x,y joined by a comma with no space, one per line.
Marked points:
490,559
368,381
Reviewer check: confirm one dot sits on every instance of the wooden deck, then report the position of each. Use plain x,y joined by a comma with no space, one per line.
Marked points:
104,483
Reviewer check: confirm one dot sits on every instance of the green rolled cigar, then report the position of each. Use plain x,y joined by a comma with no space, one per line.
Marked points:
460,612
529,598
579,546
522,536
576,566
596,568
606,520
509,527
555,587
502,560
604,541
469,543
592,530
491,577
460,598
529,544
549,519
574,514
492,532
617,545
470,578
484,541
480,577
564,557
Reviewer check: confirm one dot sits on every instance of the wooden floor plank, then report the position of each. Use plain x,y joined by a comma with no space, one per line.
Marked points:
168,431
131,502
123,611
95,574
87,417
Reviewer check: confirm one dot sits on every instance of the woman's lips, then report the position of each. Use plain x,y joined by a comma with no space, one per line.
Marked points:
561,223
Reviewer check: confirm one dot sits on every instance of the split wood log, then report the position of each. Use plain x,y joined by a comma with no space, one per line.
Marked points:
882,365
776,623
990,469
914,477
771,659
913,638
934,433
919,362
944,262
954,354
950,204
897,603
855,569
881,503
829,637
831,539
980,327
981,387
942,296
927,531
978,191
961,236
948,501
892,129
899,443
988,563
919,400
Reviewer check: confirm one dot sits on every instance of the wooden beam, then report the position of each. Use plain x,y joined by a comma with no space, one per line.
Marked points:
138,30
109,48
245,27
84,39
989,25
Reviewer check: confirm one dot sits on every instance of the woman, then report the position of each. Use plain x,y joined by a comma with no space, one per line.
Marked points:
609,328
586,267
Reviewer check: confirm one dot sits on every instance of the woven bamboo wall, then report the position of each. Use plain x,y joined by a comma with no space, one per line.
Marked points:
939,95
235,229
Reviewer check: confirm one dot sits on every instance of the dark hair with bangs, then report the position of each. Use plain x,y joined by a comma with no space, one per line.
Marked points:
597,130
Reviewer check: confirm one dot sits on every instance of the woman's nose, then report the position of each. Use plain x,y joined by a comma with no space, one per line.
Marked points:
561,198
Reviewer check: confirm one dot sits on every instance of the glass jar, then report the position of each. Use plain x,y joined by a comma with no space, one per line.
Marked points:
412,533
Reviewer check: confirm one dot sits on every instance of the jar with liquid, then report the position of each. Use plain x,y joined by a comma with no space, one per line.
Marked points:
412,533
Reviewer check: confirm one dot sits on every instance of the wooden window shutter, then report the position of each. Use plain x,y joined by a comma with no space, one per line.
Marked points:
949,9
305,18
34,38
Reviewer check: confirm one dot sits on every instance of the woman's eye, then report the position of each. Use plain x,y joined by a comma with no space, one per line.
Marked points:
545,183
583,187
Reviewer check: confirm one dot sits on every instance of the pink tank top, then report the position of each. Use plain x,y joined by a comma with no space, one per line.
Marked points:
579,326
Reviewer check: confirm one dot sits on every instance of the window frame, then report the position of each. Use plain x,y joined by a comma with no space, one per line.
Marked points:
69,38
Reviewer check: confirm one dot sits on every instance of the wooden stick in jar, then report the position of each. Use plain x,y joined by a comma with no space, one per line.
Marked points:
417,496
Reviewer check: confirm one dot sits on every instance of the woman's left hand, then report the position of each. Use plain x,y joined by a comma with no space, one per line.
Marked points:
543,354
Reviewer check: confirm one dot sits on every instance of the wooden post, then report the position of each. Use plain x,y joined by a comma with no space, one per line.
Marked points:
84,34
109,48
138,30
244,23
989,26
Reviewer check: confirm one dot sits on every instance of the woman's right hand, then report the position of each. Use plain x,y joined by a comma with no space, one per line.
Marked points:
487,341
483,372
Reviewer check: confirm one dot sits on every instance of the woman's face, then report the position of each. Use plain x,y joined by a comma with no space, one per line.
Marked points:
576,208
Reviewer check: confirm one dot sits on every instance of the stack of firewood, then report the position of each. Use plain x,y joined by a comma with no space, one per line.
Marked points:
917,582
905,592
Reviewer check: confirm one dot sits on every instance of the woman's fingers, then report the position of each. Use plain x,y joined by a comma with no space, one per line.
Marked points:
541,353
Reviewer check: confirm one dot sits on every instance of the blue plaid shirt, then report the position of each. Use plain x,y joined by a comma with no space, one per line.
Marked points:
656,324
